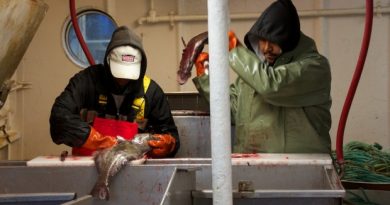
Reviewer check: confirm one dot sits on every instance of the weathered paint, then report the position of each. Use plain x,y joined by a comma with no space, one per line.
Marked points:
19,21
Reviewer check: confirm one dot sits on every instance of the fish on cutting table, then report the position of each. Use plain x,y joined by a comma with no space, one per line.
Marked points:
191,51
111,160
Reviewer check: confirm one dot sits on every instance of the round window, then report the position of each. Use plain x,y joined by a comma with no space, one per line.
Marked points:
96,28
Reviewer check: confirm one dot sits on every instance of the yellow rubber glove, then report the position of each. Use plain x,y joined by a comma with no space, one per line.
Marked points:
162,145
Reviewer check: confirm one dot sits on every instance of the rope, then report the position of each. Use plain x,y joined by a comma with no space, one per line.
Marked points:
366,163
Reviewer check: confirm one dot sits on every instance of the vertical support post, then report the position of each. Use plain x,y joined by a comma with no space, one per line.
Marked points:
218,17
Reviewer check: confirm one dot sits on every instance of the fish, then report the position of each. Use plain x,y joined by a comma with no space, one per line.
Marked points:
190,53
110,161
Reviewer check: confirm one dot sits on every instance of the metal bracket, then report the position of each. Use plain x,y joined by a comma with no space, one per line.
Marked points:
20,85
6,136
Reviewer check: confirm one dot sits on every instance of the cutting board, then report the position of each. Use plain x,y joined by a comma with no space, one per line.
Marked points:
50,161
55,161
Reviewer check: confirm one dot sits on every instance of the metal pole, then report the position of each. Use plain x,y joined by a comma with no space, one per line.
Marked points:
220,102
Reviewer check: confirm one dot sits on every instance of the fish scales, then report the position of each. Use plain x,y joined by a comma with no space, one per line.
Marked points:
110,161
190,53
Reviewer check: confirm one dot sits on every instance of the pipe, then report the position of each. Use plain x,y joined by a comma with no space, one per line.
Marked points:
354,82
76,27
153,18
219,102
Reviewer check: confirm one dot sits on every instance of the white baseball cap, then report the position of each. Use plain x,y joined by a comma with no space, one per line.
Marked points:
125,62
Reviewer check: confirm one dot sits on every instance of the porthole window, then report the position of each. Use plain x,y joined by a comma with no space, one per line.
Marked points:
96,28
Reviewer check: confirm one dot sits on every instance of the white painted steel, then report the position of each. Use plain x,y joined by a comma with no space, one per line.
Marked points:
248,16
220,102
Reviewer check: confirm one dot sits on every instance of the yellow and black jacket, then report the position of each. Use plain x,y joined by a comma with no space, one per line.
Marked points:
92,91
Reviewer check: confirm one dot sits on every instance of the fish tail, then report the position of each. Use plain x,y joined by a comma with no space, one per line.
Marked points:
100,190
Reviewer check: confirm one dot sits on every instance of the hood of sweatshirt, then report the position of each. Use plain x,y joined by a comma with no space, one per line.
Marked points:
123,36
279,24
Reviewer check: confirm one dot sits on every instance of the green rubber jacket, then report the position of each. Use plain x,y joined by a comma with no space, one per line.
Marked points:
280,109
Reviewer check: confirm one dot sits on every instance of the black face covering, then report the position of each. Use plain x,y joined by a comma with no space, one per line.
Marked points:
131,87
115,88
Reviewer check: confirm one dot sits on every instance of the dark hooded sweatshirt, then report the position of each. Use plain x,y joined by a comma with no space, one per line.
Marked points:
71,113
279,24
284,107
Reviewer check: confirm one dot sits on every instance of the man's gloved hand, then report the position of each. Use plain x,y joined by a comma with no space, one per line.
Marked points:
98,141
202,61
162,145
233,40
202,64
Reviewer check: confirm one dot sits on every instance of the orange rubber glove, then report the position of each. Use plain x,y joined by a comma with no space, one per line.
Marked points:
233,40
162,145
98,141
201,64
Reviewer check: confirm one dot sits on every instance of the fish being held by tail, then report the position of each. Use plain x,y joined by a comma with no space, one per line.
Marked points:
111,160
191,51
